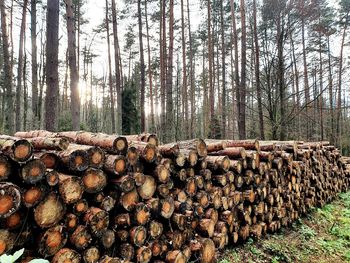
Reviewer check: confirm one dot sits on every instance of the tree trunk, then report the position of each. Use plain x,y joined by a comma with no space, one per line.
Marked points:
210,60
241,105
192,76
169,79
72,59
111,93
257,74
223,69
340,82
52,65
150,71
142,65
184,75
236,76
117,68
20,66
34,66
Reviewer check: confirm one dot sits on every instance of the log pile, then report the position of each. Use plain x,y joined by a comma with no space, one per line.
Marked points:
85,197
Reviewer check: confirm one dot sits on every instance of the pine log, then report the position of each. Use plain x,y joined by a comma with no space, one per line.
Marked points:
115,164
97,220
138,235
70,188
80,207
129,200
74,159
49,143
49,211
147,151
91,255
10,199
246,144
110,143
218,163
33,195
49,158
66,255
144,137
215,145
232,152
19,150
5,168
143,254
33,171
94,180
108,238
52,241
147,189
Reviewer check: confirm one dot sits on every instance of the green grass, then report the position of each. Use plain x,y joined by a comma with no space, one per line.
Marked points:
321,237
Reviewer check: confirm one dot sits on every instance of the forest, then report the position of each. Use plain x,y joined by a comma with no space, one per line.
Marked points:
266,69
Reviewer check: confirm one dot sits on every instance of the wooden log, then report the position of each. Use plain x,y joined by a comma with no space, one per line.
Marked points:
91,255
7,241
13,221
74,159
246,144
52,241
19,150
71,222
10,199
215,145
197,145
162,173
97,219
138,235
111,143
142,214
107,239
32,196
115,164
70,188
143,254
80,207
176,256
5,168
148,188
94,180
236,166
108,203
33,171
125,183
167,207
155,229
207,250
66,255
126,251
144,137
49,158
232,152
49,211
129,200
147,151
218,163
49,143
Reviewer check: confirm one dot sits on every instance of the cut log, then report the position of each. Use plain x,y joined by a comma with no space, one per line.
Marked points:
108,238
176,256
33,171
66,255
97,220
80,207
147,151
111,143
167,207
143,254
215,145
91,255
49,158
148,188
197,145
169,150
94,180
232,152
129,200
115,164
74,159
52,177
33,195
125,183
71,222
126,251
144,137
5,168
10,199
207,251
218,163
17,149
138,235
70,188
155,229
49,211
246,144
49,143
52,241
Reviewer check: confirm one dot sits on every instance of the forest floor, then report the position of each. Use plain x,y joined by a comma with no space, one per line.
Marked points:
321,237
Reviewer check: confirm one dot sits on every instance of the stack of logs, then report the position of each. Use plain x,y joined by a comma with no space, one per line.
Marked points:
86,197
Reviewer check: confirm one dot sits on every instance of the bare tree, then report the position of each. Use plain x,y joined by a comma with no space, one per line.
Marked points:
52,24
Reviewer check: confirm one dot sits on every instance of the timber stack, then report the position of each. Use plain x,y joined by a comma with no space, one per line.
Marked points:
92,197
